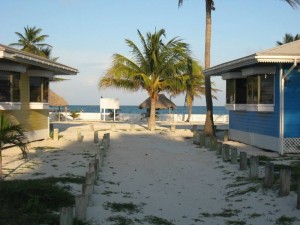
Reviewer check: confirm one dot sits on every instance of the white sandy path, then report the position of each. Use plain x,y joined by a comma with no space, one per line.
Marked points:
171,178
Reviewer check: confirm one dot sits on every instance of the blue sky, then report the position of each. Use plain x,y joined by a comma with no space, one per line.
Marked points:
86,33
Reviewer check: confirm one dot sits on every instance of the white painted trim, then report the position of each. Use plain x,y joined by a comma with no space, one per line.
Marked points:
260,107
231,75
38,105
40,73
254,139
259,70
236,107
10,105
281,110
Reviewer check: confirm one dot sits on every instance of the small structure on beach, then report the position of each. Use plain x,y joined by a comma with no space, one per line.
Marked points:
262,96
58,101
24,87
106,104
162,102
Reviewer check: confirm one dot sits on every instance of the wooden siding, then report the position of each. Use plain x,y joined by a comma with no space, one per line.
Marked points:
292,105
264,123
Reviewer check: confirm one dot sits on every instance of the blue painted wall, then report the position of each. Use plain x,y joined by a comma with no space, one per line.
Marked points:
265,123
292,105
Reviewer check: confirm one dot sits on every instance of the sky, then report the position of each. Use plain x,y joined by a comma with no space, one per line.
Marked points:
86,33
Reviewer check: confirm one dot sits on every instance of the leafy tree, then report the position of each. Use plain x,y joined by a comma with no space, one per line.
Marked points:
209,7
13,134
32,42
288,38
156,67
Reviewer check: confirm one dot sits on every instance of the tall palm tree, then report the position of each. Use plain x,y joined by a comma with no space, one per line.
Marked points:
288,38
32,41
13,134
156,67
209,121
210,6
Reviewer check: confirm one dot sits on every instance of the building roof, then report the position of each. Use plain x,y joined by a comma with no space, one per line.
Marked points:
162,102
22,57
287,53
56,100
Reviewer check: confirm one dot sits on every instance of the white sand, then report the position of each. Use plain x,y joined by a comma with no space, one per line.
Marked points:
162,172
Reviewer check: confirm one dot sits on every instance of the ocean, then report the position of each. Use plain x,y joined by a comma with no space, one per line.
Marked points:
135,109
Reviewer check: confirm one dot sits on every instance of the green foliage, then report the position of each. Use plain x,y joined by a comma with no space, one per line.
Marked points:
32,42
284,220
34,201
74,114
156,67
129,208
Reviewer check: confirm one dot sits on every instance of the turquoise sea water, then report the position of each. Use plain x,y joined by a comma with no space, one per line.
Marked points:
135,109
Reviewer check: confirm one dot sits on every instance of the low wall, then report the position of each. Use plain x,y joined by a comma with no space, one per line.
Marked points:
137,117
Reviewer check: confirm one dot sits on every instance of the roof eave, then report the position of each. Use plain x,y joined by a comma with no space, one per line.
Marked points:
23,57
249,60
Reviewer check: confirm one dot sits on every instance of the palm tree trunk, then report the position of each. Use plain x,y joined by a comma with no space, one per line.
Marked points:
1,163
151,122
209,122
190,109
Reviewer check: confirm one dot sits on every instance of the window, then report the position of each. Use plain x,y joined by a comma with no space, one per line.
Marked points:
236,91
230,91
252,90
9,87
260,89
266,89
39,89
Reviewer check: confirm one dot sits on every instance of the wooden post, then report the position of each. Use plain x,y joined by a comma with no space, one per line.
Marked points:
79,136
254,165
202,139
194,128
91,127
96,137
206,141
269,175
55,134
80,207
213,143
243,161
233,155
285,182
298,193
113,127
132,127
66,216
196,138
226,153
173,128
219,148
226,135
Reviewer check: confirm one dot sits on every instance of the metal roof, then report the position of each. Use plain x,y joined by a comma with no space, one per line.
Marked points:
287,53
19,56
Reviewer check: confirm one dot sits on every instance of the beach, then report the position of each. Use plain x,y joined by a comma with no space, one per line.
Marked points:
161,174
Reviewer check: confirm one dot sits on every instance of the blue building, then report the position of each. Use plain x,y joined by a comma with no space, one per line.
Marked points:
263,98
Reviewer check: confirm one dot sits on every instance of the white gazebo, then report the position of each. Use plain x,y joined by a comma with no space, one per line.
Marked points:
108,103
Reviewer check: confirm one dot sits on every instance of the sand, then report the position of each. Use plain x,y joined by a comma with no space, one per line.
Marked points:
162,174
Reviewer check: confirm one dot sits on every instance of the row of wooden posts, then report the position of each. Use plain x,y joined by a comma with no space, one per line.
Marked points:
82,200
230,154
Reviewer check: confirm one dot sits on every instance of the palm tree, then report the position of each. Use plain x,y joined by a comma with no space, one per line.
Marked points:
154,68
209,121
288,38
193,85
13,134
210,6
32,41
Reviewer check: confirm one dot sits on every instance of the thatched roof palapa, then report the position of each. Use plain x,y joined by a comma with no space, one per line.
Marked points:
56,100
162,102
